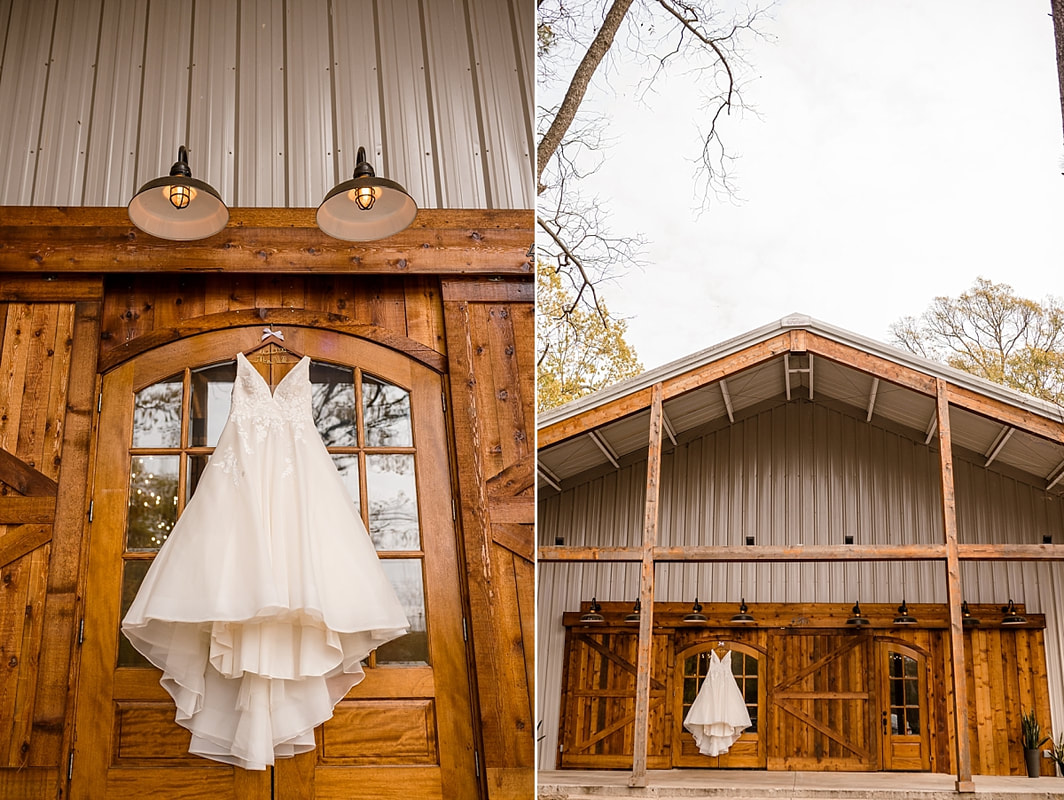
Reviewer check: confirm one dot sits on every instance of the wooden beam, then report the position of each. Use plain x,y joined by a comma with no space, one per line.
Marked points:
932,426
953,593
1055,476
1010,552
770,553
453,241
999,443
49,288
669,431
23,478
21,541
871,364
646,594
673,387
787,374
872,399
724,393
810,370
607,451
566,553
1005,413
19,510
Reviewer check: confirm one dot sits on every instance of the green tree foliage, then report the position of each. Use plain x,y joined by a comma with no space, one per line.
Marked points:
991,332
580,350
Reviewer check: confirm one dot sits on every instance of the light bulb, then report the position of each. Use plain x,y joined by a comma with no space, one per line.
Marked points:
179,196
363,197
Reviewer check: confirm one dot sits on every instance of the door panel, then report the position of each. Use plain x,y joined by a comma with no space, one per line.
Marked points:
748,668
903,708
821,702
409,722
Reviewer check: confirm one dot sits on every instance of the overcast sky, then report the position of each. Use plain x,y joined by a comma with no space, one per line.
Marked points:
903,148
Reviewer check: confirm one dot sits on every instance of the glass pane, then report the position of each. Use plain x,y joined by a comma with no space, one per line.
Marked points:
894,720
405,576
750,691
690,665
392,488
157,414
910,667
212,394
751,664
196,465
912,721
386,412
333,403
152,501
690,690
752,711
895,665
912,697
133,573
897,693
347,466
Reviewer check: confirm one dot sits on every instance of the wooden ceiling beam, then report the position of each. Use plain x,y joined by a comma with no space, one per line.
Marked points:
999,444
261,240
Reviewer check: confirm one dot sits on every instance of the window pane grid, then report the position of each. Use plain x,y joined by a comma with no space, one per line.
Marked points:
174,435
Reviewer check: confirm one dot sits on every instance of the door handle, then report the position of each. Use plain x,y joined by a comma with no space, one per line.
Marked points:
884,723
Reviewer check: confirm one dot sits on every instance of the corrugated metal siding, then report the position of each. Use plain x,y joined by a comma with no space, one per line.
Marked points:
273,97
797,472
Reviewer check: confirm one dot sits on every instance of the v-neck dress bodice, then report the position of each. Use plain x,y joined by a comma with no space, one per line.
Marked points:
718,715
268,594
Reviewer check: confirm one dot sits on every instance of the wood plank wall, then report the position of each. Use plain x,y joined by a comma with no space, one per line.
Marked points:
1005,671
490,329
59,331
47,381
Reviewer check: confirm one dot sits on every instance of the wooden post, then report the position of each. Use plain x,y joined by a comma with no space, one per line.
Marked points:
646,595
953,594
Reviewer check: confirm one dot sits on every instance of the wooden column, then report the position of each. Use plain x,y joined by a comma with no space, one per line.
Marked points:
646,594
953,595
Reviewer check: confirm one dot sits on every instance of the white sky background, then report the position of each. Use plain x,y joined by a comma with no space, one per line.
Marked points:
904,147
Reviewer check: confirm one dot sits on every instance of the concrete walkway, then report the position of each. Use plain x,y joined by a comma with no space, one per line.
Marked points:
756,784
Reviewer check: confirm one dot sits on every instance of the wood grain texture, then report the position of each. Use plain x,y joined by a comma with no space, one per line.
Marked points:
23,478
488,341
821,692
100,240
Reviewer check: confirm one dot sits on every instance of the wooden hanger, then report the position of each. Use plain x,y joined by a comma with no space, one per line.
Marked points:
272,349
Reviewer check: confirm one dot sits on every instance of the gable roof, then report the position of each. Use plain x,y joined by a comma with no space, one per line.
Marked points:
798,355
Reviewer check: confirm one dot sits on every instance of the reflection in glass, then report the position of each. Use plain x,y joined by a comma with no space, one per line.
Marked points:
333,404
392,489
196,465
132,576
152,501
413,648
212,394
386,413
157,415
347,466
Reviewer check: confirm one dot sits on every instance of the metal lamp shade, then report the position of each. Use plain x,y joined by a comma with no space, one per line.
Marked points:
152,212
392,211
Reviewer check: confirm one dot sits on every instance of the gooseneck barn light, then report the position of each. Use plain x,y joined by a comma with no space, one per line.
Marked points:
366,207
856,618
178,206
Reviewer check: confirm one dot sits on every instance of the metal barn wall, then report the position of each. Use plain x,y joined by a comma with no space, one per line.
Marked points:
272,97
796,473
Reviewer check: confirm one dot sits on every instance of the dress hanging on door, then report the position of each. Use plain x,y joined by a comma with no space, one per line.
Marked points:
718,715
267,595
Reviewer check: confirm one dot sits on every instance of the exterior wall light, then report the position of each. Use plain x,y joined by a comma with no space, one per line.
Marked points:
856,618
1012,616
696,614
744,617
366,207
594,616
177,206
904,617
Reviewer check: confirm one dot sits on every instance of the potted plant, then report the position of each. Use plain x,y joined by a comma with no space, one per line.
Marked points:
1058,753
1032,743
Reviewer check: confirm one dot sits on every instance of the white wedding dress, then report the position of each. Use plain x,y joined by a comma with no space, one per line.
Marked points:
267,595
718,715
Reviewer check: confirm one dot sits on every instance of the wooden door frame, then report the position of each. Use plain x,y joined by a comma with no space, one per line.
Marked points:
884,645
677,677
455,718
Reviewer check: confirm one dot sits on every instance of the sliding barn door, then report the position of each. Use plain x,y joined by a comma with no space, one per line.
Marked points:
822,701
407,727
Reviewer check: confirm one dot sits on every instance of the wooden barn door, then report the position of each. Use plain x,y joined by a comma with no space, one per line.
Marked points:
748,669
598,712
408,726
822,701
903,708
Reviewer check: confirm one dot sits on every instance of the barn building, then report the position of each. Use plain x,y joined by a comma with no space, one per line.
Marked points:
801,483
117,353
